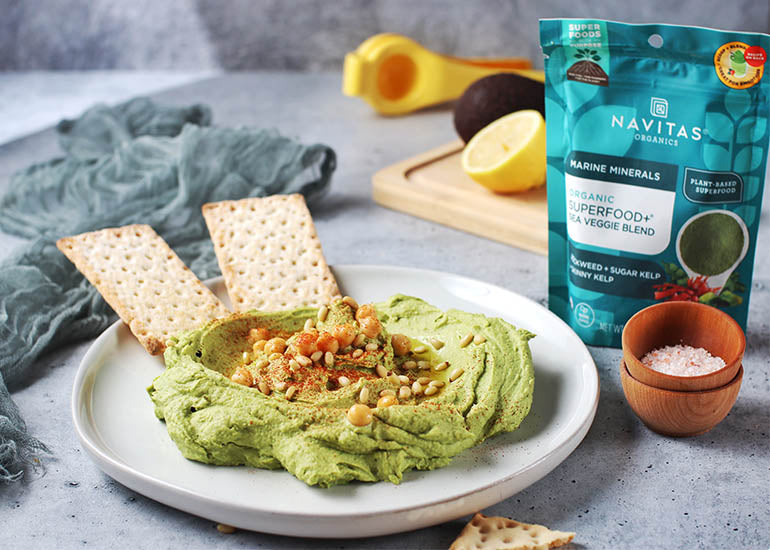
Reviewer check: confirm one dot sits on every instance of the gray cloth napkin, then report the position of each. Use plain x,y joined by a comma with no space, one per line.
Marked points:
137,162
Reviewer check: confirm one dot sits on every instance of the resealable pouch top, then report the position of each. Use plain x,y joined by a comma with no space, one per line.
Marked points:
657,142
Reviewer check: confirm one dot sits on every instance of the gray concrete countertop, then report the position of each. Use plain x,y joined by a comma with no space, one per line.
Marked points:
623,487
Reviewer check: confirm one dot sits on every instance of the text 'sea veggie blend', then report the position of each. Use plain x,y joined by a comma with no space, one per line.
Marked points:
657,142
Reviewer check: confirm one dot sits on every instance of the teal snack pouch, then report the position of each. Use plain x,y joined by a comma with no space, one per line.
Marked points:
657,143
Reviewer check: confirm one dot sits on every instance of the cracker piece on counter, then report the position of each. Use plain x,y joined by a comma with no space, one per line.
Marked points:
144,281
497,533
269,253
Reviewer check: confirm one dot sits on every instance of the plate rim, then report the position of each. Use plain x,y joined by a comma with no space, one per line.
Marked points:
90,365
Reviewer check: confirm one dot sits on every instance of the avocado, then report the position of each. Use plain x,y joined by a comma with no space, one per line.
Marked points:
495,96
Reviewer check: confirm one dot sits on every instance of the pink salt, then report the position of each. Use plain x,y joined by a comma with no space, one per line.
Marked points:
682,360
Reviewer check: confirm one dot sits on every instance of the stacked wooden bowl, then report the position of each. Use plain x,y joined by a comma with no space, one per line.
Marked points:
681,406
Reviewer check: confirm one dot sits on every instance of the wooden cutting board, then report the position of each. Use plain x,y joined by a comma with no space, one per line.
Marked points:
433,186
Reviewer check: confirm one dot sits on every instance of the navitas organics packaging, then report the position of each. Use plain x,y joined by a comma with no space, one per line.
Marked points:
657,142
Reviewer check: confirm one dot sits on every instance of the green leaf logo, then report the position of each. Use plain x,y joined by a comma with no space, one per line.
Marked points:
719,126
716,157
588,54
751,130
737,102
748,159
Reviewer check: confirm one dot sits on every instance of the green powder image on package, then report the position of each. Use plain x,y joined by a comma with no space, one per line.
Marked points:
711,244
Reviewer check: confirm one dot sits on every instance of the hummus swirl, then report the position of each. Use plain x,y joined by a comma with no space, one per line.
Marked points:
215,420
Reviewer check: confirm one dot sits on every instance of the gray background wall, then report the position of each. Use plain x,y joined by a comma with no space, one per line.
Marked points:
306,34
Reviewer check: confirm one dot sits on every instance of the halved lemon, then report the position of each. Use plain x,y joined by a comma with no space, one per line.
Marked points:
508,155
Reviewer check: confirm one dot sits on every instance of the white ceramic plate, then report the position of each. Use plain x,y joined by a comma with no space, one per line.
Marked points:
114,419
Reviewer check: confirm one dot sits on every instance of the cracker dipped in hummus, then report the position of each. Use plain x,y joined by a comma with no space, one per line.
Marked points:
342,392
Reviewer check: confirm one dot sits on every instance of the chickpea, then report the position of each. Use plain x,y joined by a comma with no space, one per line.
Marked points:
365,311
401,344
258,334
275,345
344,334
327,342
360,415
306,343
242,376
387,400
370,326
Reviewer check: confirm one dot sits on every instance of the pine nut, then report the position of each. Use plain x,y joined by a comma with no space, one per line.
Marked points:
343,381
264,387
275,345
423,365
309,325
437,383
360,340
262,363
441,366
466,340
303,360
382,372
350,302
417,388
404,392
358,353
246,356
431,390
281,386
243,377
371,346
322,313
387,392
259,345
290,392
419,349
329,359
363,396
479,339
316,356
423,380
404,379
457,373
410,365
436,343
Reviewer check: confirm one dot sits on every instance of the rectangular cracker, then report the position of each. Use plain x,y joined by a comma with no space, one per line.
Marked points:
269,253
144,281
497,533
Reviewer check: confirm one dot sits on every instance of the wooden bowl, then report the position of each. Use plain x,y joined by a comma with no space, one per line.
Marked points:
690,323
679,413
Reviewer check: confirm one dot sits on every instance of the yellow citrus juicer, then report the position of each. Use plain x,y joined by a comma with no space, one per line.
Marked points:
396,75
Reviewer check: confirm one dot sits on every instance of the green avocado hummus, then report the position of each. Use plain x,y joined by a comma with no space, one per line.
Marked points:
486,388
